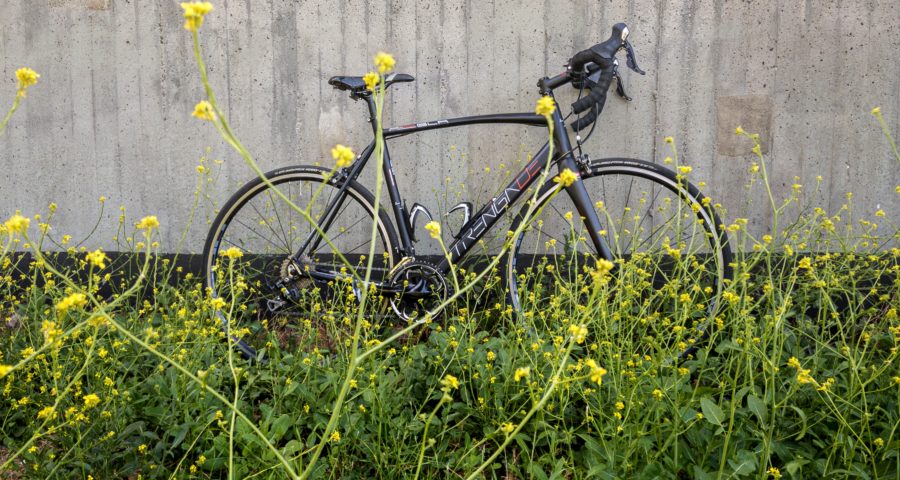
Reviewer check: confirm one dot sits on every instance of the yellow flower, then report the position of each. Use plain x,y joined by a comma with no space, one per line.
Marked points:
342,155
507,427
148,223
793,362
26,78
194,13
739,130
232,253
204,111
756,149
5,369
658,394
491,356
545,106
434,228
336,436
91,400
522,372
876,111
46,412
579,332
75,300
97,258
217,303
449,382
669,140
17,224
371,80
804,377
774,472
50,330
384,62
597,373
565,178
142,448
685,169
620,406
98,321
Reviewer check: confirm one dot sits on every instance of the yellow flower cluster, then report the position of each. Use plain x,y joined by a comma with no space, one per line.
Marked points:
75,300
148,223
565,178
204,111
522,372
342,155
194,13
371,80
545,106
17,224
51,331
434,229
233,253
507,427
91,400
97,258
26,77
578,332
450,382
384,62
597,372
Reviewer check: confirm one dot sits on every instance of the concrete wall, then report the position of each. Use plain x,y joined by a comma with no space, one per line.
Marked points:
111,114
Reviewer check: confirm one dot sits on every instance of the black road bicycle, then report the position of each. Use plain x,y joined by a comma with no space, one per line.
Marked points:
629,210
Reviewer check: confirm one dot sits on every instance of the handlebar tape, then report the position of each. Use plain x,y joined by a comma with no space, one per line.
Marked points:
584,121
598,91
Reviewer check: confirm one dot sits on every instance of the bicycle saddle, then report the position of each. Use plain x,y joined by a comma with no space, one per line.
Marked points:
357,86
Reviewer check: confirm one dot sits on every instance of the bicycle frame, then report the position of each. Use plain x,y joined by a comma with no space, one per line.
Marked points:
489,213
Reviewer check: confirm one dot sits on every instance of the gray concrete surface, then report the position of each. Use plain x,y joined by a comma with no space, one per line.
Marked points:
111,114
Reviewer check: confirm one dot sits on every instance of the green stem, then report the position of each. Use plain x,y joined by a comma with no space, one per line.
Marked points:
9,114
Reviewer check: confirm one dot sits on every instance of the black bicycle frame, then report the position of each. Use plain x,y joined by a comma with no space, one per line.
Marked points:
488,215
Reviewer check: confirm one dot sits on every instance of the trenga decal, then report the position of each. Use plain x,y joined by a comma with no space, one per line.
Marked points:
488,215
434,123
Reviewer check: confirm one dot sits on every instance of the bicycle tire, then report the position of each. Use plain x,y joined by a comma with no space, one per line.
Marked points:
616,176
263,256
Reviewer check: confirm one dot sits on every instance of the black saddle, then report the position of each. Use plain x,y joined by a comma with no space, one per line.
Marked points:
357,86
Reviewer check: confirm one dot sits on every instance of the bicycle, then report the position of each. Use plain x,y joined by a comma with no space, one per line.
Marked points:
286,256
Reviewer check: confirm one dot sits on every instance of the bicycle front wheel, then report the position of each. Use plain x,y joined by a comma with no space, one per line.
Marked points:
286,263
670,254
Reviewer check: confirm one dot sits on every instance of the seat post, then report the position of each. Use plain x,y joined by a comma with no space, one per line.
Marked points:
373,111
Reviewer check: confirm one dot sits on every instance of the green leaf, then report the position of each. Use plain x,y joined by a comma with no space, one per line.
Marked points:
700,474
758,407
280,427
711,412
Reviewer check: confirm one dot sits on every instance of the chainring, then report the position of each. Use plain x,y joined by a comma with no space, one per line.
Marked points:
424,287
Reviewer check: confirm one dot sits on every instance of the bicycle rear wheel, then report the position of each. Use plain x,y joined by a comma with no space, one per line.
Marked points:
671,257
278,298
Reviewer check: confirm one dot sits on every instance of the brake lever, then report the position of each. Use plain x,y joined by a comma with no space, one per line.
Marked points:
620,87
632,62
